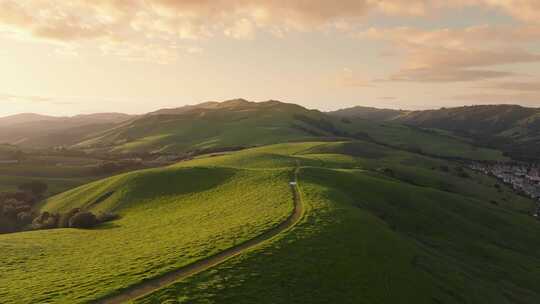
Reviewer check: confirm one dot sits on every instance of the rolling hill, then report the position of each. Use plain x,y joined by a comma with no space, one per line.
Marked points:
229,124
380,225
513,129
40,131
368,113
238,123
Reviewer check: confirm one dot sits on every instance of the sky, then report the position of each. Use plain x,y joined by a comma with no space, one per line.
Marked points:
62,57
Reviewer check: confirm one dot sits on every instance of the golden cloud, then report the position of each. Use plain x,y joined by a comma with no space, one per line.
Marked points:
165,22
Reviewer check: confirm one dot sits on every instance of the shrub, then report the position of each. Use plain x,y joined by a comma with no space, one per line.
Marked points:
45,220
463,174
24,218
388,172
83,219
63,222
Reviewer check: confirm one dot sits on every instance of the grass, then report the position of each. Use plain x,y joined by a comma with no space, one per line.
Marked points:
257,124
58,178
246,125
170,218
420,235
367,239
430,141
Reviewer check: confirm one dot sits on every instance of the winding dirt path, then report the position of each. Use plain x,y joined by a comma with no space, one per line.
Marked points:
152,285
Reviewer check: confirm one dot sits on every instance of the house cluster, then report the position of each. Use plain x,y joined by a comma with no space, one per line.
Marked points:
523,178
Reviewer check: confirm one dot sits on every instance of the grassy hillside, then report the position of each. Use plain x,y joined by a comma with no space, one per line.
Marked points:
380,226
368,113
367,239
428,141
39,131
239,123
235,123
513,129
170,217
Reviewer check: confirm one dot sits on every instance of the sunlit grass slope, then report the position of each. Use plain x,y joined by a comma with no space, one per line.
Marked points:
170,217
422,236
418,235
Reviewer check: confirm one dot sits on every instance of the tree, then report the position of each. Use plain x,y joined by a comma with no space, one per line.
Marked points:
46,220
35,187
83,220
65,218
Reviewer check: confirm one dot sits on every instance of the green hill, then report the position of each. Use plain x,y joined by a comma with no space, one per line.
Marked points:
170,218
380,225
368,113
40,131
511,128
234,124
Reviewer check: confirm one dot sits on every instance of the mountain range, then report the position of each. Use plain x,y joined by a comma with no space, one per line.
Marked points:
241,123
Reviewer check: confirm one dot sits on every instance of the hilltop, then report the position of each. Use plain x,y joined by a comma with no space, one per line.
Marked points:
229,124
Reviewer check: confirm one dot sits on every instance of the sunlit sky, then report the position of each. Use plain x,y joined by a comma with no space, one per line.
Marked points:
68,57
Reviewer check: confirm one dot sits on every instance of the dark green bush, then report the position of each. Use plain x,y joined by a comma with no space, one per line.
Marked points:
83,219
66,217
46,220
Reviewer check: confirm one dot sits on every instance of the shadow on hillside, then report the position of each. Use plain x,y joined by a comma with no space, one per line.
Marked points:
107,226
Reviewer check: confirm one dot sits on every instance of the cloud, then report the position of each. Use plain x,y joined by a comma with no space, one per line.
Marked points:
165,22
189,19
532,100
526,10
20,98
475,36
348,78
441,74
241,29
450,55
530,86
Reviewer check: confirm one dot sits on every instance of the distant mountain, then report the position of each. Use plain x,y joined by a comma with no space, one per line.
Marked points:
25,118
234,124
40,131
368,113
514,129
240,123
184,109
213,125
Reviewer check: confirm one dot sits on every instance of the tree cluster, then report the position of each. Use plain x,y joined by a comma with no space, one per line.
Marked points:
16,208
17,212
